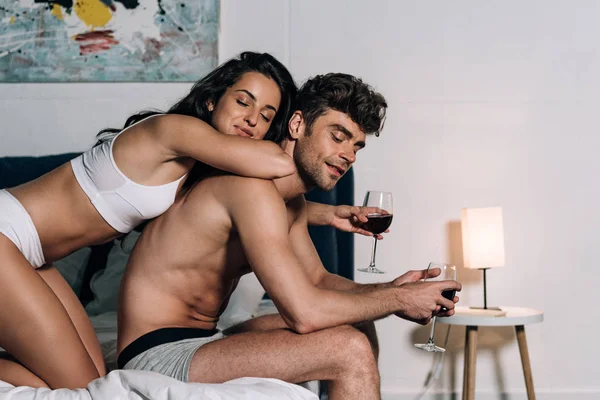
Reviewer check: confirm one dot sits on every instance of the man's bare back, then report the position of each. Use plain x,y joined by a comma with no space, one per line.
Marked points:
186,264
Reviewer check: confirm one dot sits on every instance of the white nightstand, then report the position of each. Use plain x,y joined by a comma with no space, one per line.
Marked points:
472,319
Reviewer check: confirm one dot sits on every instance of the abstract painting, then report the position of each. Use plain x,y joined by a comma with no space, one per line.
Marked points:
107,40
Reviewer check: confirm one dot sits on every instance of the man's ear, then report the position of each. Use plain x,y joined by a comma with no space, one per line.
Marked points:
296,125
210,105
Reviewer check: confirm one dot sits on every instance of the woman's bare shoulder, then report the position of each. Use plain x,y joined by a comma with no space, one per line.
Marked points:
173,122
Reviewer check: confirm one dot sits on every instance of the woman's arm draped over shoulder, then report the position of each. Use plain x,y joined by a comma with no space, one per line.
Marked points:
191,137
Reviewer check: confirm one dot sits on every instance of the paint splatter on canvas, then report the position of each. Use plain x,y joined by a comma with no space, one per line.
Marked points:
107,40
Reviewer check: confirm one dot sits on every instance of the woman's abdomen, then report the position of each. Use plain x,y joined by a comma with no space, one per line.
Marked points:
63,215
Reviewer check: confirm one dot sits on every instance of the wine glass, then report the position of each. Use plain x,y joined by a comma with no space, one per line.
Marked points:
448,273
378,222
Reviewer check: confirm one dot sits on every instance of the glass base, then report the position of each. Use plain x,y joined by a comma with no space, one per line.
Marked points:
371,270
430,347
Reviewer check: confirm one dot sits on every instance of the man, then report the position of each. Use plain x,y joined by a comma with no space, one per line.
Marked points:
188,261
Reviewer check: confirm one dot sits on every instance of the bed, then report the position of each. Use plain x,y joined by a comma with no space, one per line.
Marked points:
123,384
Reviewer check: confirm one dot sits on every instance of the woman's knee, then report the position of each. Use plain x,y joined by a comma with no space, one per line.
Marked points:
37,329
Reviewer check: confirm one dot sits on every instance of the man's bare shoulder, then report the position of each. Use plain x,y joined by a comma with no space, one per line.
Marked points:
228,183
246,183
228,189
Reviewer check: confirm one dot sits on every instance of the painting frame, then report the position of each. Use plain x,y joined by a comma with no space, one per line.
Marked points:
108,40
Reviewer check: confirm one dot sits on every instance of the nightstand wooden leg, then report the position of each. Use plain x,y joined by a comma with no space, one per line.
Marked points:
470,359
521,339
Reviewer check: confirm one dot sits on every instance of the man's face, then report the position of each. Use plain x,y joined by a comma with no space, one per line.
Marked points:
324,154
248,107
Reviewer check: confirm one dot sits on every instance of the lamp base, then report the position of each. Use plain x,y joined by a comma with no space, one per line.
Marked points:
487,308
490,311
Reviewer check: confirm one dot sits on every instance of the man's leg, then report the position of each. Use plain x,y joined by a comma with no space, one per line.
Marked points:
368,328
342,355
274,321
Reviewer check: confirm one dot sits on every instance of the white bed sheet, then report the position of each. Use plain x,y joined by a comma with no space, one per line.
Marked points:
131,384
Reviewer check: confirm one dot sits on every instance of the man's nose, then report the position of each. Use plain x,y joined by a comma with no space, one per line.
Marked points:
349,156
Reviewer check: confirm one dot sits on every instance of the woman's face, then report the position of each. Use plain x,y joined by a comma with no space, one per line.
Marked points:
248,107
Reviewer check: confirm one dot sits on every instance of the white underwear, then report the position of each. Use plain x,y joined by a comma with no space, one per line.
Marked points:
16,224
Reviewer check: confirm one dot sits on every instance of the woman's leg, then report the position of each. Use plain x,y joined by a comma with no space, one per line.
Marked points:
77,313
35,328
16,374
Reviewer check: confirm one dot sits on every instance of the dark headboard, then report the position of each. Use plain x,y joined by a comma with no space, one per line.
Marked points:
17,170
335,248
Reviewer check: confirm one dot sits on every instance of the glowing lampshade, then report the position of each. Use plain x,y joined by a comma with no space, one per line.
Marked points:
482,237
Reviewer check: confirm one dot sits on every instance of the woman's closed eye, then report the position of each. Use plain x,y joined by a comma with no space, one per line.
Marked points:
241,103
267,119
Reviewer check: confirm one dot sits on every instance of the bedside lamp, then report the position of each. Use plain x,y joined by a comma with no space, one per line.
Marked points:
483,242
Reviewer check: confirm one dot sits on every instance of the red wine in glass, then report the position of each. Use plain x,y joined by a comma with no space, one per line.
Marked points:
378,223
449,294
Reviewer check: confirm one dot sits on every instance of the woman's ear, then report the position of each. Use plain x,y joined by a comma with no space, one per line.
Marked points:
210,105
296,124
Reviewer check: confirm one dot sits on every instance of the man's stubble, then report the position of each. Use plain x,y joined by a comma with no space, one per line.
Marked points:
309,167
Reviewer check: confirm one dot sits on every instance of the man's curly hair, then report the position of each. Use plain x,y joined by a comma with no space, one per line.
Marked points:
344,93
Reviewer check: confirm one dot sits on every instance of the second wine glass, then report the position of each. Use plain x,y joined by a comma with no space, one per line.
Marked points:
448,272
378,222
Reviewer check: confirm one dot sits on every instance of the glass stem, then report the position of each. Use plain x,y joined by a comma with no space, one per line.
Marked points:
373,251
432,331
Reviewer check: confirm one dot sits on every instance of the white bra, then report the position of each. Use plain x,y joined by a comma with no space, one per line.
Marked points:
123,203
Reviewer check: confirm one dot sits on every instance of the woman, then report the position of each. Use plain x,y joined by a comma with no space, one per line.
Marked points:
110,189
130,176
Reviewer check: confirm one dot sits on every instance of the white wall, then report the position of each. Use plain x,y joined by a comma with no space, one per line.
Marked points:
491,104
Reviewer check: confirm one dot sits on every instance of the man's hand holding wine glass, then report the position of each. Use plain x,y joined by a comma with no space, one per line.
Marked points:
354,219
422,299
445,288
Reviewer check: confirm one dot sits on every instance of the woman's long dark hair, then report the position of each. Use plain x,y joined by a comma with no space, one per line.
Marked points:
214,85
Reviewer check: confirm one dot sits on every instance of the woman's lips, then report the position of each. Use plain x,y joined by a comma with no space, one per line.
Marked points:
241,132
